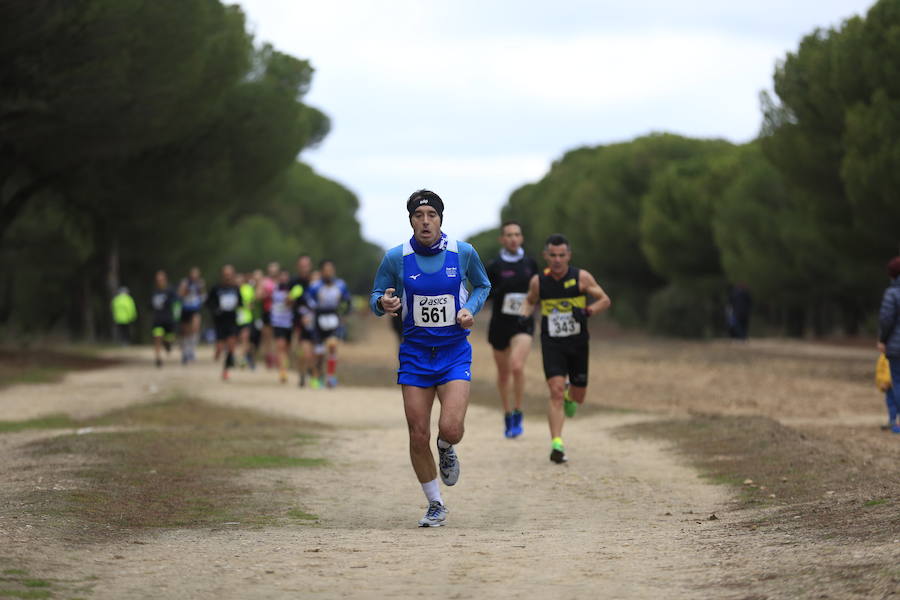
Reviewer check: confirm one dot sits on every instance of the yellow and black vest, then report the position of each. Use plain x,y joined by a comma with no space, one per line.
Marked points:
562,308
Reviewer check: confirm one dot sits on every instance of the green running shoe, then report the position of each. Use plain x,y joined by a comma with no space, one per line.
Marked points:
569,406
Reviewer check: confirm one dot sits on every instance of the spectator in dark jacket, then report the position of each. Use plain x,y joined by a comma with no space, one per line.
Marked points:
889,322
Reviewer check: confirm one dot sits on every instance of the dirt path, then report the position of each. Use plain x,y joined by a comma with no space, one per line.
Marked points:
623,517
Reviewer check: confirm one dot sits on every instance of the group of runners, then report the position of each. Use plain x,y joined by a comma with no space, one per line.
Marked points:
425,283
258,312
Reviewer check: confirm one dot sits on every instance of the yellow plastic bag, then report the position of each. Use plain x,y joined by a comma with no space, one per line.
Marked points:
882,373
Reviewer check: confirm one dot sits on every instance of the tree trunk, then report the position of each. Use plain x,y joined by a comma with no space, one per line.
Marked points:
88,320
112,278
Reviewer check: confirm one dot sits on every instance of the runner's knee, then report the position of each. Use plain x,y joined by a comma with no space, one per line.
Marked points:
452,434
419,438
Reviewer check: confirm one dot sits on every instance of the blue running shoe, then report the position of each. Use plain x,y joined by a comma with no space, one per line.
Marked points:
895,429
516,423
508,421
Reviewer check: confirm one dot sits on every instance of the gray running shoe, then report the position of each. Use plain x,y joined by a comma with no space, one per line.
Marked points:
435,515
449,465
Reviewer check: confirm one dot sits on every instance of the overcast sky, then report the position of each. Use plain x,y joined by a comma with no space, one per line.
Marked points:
473,98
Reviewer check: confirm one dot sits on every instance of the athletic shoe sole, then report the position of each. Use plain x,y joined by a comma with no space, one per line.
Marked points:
437,521
558,456
430,523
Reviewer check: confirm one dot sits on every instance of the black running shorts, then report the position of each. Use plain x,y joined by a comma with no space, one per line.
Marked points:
561,360
283,333
501,330
163,327
304,334
226,326
187,314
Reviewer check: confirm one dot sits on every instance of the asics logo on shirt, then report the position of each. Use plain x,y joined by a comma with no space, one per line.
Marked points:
416,276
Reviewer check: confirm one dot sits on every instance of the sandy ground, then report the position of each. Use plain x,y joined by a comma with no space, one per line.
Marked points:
624,519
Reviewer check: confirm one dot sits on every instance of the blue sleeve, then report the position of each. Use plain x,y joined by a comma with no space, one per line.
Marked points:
388,275
476,275
887,316
313,293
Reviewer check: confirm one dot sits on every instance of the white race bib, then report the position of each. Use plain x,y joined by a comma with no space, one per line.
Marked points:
328,321
228,302
512,304
562,324
434,311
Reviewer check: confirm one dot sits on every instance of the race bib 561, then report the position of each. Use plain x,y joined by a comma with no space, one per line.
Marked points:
434,311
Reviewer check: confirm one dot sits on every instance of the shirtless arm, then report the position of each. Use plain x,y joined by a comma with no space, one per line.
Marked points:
589,285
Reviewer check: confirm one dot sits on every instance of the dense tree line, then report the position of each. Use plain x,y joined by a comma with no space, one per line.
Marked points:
806,215
138,135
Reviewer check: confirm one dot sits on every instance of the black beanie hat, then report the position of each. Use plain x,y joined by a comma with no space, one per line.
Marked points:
425,198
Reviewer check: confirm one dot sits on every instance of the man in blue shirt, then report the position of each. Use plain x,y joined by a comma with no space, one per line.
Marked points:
329,298
424,281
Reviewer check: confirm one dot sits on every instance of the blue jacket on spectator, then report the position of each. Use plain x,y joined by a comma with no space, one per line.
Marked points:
889,320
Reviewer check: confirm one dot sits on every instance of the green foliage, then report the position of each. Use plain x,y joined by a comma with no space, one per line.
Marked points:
833,136
135,136
683,311
677,210
600,198
806,216
487,243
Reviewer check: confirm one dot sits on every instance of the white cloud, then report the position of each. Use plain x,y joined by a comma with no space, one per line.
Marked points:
475,98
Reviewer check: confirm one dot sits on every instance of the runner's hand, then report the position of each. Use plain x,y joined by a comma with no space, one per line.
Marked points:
880,347
465,318
390,303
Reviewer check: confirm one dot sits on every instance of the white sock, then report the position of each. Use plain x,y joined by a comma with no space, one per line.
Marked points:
432,491
442,444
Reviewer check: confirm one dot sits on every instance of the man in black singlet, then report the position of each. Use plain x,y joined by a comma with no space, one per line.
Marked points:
223,301
164,302
508,333
563,295
303,317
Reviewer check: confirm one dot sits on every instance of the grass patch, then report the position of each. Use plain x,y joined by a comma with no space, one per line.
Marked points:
5,593
176,466
15,572
26,365
813,482
48,422
35,583
296,513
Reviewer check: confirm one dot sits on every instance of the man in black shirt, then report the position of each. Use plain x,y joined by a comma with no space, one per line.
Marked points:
163,301
563,295
303,316
508,333
223,301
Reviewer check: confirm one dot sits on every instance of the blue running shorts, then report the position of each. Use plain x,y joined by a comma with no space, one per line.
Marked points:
427,366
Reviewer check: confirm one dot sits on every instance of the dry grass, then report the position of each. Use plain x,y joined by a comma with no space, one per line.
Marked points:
22,365
172,464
